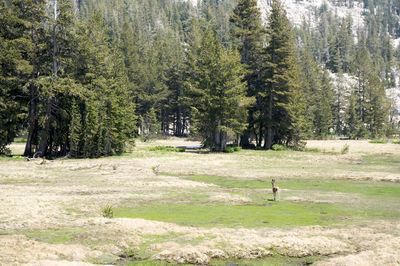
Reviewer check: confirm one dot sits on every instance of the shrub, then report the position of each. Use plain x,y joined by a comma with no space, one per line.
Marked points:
229,149
167,148
299,146
251,146
232,148
237,148
396,141
278,147
20,140
312,150
345,149
108,211
378,141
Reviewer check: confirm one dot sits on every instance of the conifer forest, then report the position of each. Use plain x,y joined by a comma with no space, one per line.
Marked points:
84,78
200,132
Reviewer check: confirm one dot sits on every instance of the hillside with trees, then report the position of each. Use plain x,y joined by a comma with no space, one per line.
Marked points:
83,78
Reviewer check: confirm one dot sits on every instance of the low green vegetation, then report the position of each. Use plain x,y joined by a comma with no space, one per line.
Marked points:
16,181
278,147
345,149
366,188
396,141
271,214
108,211
61,236
232,148
274,214
167,148
390,160
11,158
20,140
262,211
378,141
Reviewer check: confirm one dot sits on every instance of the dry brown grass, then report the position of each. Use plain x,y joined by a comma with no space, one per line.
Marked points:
71,193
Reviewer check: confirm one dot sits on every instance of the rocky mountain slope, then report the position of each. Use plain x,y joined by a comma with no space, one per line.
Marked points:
300,10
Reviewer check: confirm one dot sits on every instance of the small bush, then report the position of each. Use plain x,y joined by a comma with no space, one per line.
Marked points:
237,148
378,141
20,140
251,146
396,141
108,211
345,149
229,149
299,146
232,148
156,169
167,148
278,147
312,150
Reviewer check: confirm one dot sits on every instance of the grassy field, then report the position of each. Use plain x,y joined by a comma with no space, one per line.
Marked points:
173,206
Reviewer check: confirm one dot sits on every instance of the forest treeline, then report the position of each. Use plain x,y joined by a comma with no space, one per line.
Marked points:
84,77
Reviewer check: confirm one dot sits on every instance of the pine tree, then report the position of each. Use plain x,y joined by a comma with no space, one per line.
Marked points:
354,126
248,28
373,107
15,69
318,93
219,101
75,131
22,61
281,112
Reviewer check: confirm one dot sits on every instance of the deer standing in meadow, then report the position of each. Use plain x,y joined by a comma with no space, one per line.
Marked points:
275,189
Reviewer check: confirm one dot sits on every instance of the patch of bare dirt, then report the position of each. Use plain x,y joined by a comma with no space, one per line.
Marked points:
228,198
18,249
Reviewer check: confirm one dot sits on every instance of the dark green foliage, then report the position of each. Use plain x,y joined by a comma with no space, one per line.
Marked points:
232,148
84,84
219,99
278,147
318,91
371,114
248,28
73,82
284,103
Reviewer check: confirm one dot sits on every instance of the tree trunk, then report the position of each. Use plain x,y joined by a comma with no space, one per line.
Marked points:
223,139
217,137
244,139
178,131
44,135
268,140
261,134
32,128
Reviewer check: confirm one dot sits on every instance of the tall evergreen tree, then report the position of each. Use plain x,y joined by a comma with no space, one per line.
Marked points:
219,100
283,101
248,28
15,70
371,98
